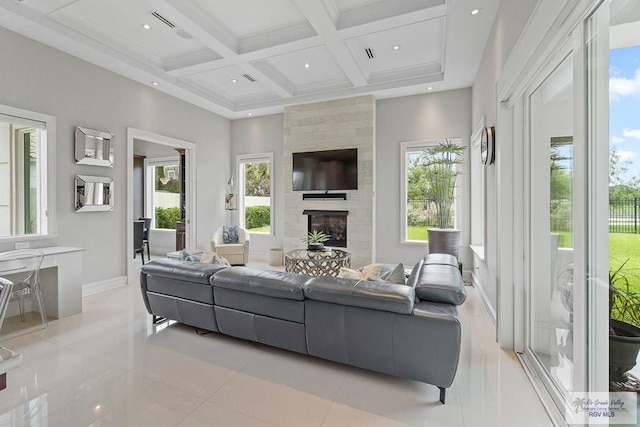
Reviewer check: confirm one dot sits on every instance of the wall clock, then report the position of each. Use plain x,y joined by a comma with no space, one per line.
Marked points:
488,145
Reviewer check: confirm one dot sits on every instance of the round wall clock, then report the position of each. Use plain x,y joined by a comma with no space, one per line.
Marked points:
488,145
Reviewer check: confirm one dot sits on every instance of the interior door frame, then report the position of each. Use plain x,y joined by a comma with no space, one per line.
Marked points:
190,184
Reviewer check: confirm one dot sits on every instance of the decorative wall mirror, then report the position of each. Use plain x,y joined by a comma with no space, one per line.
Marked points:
94,193
93,147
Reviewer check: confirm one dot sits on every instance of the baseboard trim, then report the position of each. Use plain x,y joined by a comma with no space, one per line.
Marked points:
489,310
103,285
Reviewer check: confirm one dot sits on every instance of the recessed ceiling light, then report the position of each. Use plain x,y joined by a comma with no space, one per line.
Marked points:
250,114
146,26
306,65
430,88
475,11
396,47
234,80
155,83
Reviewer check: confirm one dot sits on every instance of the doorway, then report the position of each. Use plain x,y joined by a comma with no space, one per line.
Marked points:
189,204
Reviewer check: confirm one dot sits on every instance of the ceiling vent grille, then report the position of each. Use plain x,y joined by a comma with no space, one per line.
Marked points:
248,77
163,19
369,53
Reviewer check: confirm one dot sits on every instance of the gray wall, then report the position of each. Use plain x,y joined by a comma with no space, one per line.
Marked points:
38,78
262,135
510,21
416,118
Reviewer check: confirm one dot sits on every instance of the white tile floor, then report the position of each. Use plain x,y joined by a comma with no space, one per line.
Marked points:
110,366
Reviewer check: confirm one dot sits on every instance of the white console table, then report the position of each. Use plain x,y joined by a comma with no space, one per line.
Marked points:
61,280
64,297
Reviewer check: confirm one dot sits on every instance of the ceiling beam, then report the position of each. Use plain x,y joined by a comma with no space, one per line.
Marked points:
188,16
320,19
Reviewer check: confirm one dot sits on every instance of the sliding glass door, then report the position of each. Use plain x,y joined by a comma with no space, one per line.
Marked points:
566,119
554,220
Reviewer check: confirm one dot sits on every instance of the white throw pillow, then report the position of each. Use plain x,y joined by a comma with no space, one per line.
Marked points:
210,257
364,273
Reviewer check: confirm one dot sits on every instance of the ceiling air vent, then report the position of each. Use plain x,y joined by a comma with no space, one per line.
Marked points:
248,77
369,53
163,19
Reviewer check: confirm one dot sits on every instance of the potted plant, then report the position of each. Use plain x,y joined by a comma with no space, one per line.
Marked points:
440,163
624,324
315,240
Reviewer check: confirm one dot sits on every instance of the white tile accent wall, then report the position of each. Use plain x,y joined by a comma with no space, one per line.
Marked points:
343,123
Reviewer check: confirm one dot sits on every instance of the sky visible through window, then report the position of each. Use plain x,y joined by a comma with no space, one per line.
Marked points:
624,105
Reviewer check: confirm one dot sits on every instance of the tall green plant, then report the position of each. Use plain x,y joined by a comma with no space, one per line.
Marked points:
440,166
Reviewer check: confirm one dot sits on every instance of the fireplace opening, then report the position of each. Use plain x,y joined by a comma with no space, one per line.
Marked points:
331,223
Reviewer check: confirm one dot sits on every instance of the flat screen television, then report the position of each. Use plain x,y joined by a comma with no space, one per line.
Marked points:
326,170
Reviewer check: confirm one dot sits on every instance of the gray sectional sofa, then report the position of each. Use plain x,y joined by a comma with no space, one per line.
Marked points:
410,331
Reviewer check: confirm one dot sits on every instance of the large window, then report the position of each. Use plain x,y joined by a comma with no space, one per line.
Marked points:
429,171
163,192
23,173
255,200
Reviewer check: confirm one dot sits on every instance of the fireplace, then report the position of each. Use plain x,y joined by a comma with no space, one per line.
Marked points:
331,223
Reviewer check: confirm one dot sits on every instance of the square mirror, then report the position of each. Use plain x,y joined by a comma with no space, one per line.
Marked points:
93,147
94,193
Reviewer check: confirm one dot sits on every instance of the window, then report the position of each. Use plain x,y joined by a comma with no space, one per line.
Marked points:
255,182
162,179
429,171
23,174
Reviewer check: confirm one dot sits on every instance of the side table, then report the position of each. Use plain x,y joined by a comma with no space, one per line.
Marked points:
316,263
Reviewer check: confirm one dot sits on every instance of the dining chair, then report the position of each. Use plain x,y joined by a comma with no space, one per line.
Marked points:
22,267
145,235
6,287
138,239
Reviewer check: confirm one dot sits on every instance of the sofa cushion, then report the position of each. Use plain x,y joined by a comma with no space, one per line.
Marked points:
440,283
276,284
377,295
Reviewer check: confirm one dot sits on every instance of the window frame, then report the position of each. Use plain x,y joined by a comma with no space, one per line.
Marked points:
46,124
149,184
241,160
478,200
413,146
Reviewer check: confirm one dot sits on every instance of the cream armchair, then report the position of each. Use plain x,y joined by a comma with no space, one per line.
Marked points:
235,253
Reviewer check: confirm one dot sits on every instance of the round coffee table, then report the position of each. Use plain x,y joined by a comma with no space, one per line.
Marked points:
316,263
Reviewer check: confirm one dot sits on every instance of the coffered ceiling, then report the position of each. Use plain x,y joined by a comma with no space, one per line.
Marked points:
252,57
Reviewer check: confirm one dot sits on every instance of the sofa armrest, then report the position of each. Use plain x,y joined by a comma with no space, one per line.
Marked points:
377,295
440,283
216,238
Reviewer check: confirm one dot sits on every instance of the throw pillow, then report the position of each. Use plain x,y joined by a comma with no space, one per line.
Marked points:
396,275
348,273
367,272
230,233
186,256
210,257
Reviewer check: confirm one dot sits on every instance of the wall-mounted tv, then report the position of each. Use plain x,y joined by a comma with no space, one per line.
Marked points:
326,170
